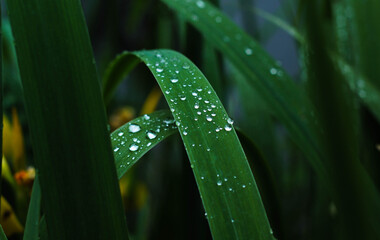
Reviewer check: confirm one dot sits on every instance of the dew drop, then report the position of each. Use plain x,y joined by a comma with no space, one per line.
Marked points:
169,121
184,133
273,71
174,80
182,97
228,128
194,94
186,66
133,128
219,183
208,118
120,134
232,220
151,135
146,117
243,186
159,70
134,147
200,4
230,121
196,106
202,177
116,149
248,51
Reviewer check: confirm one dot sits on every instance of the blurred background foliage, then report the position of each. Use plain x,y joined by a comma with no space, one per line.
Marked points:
159,194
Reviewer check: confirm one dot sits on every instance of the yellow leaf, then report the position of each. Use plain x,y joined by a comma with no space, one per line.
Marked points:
9,221
121,116
6,172
7,137
18,152
151,101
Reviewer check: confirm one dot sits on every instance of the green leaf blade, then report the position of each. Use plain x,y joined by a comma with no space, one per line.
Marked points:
65,111
33,218
2,234
226,184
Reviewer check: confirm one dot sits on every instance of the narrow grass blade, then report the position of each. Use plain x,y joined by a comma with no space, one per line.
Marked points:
364,89
358,83
362,23
288,102
131,141
225,182
71,144
282,24
33,218
113,74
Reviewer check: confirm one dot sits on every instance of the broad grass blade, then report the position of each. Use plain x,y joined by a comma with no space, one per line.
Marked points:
225,182
72,148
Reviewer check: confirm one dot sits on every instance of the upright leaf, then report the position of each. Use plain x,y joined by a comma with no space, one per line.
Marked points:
33,218
354,193
72,149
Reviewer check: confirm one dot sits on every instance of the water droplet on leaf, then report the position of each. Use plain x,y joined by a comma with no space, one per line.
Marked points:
134,147
134,128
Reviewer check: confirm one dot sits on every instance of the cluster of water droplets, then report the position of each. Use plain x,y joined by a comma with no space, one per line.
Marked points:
138,135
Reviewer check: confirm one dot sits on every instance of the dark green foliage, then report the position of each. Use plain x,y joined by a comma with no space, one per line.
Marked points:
67,120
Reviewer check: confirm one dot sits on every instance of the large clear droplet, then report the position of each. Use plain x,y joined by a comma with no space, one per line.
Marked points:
134,147
146,117
182,97
228,128
151,135
134,128
200,4
174,80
